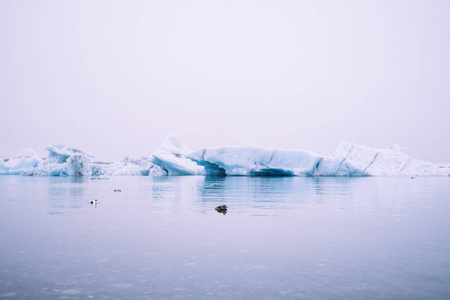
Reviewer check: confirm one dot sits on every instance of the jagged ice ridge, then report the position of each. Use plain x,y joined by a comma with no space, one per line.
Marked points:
173,158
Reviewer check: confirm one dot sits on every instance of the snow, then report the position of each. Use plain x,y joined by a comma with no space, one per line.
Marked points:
170,156
256,161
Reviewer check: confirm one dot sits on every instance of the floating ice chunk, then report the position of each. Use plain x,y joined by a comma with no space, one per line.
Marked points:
256,161
3,167
25,160
129,167
170,156
356,160
59,153
123,169
48,169
331,166
417,167
63,161
79,164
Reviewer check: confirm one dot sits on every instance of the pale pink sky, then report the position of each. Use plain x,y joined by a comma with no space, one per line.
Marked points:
115,77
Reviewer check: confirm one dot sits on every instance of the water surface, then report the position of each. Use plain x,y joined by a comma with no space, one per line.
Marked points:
282,238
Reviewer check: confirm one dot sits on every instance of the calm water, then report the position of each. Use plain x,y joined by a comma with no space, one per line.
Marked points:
282,238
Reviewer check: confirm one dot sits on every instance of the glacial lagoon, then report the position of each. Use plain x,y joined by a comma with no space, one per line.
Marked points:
281,238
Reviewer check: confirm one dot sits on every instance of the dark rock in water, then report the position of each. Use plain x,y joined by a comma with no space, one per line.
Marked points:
222,209
117,190
412,177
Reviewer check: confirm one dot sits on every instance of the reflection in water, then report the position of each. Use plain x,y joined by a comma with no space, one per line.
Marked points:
66,193
162,238
275,192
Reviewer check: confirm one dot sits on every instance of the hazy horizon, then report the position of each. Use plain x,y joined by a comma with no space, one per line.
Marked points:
115,78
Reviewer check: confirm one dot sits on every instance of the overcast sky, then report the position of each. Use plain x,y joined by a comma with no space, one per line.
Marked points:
115,77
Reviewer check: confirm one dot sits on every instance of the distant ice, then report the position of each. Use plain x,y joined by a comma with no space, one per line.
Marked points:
79,164
129,167
20,162
172,157
60,153
356,160
63,161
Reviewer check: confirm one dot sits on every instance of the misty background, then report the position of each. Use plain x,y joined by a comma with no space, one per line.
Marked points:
115,77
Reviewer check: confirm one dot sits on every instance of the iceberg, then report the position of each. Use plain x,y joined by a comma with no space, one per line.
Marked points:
48,169
130,167
357,160
173,158
63,161
255,161
170,156
20,162
3,167
79,164
59,153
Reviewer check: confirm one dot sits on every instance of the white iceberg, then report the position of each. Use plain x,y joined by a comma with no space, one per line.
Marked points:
3,167
25,160
174,158
170,156
63,161
48,169
79,164
356,160
60,153
130,167
256,161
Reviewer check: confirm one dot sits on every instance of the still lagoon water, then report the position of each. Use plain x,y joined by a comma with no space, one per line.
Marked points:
282,238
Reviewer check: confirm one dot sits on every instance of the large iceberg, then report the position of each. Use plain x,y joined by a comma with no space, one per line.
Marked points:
350,160
256,161
20,162
170,156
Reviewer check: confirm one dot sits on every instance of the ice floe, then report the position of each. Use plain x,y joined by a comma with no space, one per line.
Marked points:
129,167
63,161
172,157
25,160
256,161
356,160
